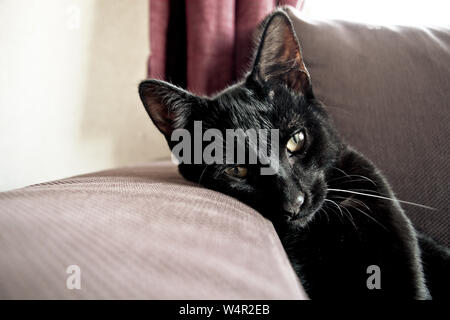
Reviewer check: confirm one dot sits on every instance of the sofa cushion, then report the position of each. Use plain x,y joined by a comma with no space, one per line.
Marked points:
388,91
138,232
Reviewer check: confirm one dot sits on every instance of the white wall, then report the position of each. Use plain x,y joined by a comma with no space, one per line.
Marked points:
69,71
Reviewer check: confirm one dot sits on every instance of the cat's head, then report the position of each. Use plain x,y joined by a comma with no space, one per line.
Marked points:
276,94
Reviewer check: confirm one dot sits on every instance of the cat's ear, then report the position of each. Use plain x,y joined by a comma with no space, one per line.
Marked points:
279,57
168,106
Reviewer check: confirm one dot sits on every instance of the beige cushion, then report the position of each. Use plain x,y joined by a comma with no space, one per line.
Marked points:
388,90
136,233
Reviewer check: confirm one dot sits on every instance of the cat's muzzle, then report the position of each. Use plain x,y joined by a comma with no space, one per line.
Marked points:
293,208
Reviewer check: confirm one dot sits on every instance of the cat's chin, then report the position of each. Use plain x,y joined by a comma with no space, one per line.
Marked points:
300,221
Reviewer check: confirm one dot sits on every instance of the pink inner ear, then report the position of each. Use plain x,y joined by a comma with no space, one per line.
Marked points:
298,81
298,77
281,56
160,115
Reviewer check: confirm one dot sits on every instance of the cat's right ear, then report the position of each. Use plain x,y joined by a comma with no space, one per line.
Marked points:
168,106
279,57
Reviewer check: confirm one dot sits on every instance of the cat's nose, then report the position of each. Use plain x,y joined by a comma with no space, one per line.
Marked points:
293,206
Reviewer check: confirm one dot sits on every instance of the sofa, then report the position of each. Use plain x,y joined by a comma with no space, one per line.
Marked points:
143,232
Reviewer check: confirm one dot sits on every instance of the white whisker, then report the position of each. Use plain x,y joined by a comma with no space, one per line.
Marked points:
350,217
340,210
381,197
352,175
335,205
368,215
201,175
342,213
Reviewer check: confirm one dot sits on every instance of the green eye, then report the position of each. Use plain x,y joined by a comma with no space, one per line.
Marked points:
238,172
296,142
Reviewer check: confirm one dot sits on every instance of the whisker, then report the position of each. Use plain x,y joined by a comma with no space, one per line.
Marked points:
334,211
381,197
365,213
325,213
350,217
349,180
354,200
340,209
368,215
335,205
352,175
201,175
357,201
375,192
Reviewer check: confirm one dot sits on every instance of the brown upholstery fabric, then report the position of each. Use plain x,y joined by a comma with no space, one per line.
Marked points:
139,232
388,90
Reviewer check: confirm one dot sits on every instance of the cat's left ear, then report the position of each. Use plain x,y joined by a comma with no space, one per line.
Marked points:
279,57
168,106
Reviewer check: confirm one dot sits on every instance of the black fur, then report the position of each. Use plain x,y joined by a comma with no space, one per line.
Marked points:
336,235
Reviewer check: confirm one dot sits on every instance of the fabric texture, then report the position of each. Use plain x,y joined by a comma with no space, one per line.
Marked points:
138,233
218,38
388,91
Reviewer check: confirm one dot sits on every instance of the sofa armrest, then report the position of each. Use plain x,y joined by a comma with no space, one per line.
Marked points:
137,233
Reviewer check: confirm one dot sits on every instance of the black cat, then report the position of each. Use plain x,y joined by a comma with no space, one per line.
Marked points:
336,215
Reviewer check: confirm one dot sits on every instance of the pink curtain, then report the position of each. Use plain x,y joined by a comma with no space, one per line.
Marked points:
204,45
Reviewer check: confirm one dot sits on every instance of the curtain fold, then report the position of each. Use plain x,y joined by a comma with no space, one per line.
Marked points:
209,45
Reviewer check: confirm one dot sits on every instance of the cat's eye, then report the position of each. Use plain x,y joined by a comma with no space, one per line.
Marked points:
296,142
237,172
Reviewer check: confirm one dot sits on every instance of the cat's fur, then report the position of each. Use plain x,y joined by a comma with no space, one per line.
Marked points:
330,245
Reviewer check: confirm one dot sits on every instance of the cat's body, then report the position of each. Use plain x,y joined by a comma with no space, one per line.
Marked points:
334,253
334,212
